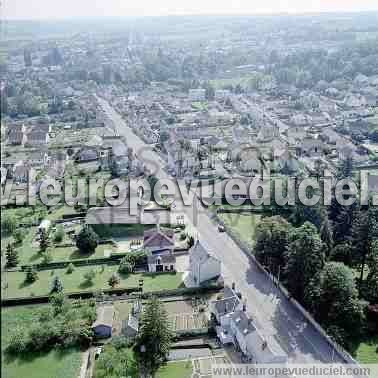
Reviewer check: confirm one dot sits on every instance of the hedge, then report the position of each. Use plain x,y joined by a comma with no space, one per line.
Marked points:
72,295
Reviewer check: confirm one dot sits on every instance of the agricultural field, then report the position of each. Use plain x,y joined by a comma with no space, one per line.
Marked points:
56,363
14,284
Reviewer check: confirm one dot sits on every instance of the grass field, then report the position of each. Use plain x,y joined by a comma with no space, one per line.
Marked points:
29,251
16,286
244,225
54,364
367,351
175,369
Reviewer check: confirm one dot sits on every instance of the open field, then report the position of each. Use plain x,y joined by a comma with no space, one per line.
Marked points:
16,286
56,364
244,225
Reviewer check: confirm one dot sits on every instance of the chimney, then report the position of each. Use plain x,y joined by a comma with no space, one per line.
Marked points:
245,306
233,286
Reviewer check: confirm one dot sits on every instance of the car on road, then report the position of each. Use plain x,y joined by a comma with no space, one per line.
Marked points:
221,228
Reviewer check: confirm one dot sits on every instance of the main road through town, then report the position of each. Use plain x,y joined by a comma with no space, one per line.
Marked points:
272,312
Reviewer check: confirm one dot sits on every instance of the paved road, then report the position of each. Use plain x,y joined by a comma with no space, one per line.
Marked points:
272,312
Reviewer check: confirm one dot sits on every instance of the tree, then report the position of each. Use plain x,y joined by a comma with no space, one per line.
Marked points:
113,280
8,224
332,296
89,277
11,256
342,253
304,259
326,234
56,286
87,240
272,242
154,338
371,292
44,241
31,275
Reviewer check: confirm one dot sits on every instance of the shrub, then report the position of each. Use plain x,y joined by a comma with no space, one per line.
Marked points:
89,276
18,341
70,268
11,256
87,240
126,266
182,236
113,280
18,236
59,234
31,275
44,241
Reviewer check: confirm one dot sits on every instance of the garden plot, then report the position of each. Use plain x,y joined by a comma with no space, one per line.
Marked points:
202,367
187,322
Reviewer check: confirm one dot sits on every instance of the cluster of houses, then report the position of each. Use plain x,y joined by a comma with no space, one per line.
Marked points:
35,136
246,133
228,313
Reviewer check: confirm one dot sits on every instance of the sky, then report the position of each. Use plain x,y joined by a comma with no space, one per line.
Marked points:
58,9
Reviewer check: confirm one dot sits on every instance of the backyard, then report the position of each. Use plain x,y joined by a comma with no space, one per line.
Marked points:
14,284
29,251
56,363
182,369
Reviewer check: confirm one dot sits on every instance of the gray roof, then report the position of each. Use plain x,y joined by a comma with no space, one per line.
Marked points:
242,322
228,304
201,252
373,183
167,258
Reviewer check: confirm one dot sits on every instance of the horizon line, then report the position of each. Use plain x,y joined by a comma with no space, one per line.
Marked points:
241,15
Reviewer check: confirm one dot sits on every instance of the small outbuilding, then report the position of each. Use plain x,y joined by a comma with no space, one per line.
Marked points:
102,327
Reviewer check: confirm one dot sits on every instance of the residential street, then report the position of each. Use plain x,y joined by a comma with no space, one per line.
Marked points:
271,311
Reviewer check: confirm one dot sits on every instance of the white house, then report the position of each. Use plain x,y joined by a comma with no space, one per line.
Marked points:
237,328
159,244
203,265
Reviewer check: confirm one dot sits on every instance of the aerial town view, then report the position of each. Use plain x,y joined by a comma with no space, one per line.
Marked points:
189,189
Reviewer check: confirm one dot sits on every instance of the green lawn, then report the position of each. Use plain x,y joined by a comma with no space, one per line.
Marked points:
54,364
367,351
182,369
244,225
29,251
16,286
